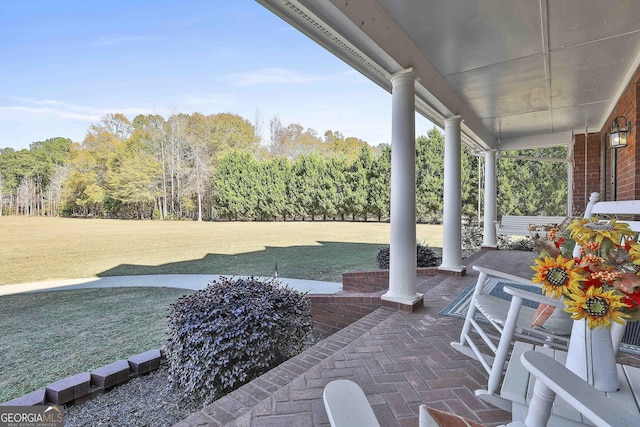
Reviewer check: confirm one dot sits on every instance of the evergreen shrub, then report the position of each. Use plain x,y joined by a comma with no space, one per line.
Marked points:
425,257
524,244
472,240
231,332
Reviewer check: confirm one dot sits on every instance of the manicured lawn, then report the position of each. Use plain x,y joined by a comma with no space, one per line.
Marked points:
49,335
38,248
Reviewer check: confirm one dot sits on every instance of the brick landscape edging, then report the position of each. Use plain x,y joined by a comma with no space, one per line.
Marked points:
86,385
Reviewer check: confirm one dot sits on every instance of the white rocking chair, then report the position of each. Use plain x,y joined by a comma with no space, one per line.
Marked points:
490,343
552,379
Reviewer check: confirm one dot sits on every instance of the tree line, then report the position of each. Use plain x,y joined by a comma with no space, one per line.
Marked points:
217,167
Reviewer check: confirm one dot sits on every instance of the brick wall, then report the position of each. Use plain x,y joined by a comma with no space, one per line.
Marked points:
378,280
583,185
361,294
365,281
627,179
331,313
628,162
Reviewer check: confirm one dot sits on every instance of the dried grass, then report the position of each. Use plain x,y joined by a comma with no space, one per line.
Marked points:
43,248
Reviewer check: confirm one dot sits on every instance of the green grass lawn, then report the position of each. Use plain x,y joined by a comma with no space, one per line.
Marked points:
49,335
40,248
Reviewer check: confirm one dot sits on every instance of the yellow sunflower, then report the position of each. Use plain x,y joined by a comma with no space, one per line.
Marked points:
600,307
557,276
592,229
634,252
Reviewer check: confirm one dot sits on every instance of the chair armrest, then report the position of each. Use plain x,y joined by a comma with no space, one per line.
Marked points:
502,275
347,405
542,299
593,404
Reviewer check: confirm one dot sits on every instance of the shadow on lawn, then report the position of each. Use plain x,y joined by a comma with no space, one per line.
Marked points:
326,262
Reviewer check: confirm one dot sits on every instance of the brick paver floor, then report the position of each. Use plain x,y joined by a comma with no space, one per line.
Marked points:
400,360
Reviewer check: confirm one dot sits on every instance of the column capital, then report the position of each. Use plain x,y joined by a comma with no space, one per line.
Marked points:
453,119
403,74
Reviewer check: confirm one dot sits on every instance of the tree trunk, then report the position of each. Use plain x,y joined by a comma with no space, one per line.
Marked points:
163,206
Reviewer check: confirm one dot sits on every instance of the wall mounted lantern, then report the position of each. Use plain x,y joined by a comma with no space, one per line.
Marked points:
619,137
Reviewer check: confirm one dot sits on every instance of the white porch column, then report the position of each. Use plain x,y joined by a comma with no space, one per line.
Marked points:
489,239
402,256
570,187
452,215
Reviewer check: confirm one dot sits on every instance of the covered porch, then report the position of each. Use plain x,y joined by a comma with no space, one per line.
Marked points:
400,360
496,76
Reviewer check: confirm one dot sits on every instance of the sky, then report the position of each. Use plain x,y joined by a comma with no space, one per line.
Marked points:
65,64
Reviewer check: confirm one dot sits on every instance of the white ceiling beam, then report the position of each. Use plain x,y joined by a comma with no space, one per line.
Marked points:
537,141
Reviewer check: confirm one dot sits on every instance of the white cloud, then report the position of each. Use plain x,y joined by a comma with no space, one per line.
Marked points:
61,110
31,119
275,75
22,113
39,101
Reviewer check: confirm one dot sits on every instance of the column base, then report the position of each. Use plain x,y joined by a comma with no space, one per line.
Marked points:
403,303
488,246
454,268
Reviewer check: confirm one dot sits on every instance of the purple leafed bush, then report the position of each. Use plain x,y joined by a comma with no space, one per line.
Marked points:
231,332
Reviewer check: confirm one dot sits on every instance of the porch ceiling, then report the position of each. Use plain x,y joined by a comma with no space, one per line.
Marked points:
521,73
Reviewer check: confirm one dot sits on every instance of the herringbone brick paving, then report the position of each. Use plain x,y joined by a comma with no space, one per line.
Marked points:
400,360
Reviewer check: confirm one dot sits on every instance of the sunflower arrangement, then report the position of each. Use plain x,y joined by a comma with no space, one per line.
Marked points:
602,285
